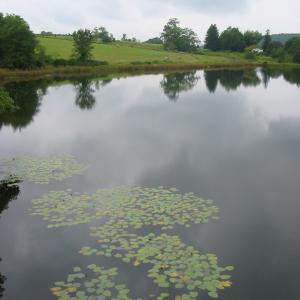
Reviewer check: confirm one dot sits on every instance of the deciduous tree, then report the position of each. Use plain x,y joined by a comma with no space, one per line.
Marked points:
232,39
17,43
176,38
103,35
83,39
252,37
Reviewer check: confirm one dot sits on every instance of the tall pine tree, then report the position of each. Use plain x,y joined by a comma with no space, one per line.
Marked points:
212,39
267,42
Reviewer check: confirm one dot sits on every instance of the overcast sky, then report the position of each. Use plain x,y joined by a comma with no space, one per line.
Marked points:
145,18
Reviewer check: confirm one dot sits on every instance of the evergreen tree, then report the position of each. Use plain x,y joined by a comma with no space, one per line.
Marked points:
267,42
211,80
212,40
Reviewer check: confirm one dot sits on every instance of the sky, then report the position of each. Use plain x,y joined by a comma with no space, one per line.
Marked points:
144,19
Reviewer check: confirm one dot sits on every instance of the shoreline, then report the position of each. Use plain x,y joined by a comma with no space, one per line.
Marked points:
7,75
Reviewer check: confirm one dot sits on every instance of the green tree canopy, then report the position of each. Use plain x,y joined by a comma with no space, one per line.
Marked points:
83,39
212,39
176,38
155,40
276,50
252,37
232,39
17,43
100,33
292,45
296,56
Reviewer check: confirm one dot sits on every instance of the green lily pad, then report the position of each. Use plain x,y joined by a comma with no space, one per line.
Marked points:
125,210
42,170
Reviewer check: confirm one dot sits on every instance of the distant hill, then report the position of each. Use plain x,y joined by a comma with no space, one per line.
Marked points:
283,37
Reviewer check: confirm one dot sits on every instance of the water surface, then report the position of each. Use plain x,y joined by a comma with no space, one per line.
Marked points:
228,135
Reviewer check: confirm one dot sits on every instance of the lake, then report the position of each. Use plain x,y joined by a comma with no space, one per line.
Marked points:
229,136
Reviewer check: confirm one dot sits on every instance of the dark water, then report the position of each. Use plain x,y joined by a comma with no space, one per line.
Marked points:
231,136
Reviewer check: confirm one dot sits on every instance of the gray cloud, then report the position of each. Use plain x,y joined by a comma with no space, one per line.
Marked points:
144,19
216,6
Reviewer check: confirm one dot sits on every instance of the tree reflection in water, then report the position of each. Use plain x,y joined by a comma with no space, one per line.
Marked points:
267,74
27,97
292,76
230,79
2,280
174,84
9,190
85,89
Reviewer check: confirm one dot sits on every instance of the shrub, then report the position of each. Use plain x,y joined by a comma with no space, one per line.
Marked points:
296,58
41,58
60,62
250,55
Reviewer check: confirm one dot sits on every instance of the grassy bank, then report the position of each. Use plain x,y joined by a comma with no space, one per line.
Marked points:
105,71
129,58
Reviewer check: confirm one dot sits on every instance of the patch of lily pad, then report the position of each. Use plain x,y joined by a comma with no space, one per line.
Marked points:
95,283
91,283
172,262
125,207
63,208
125,210
42,170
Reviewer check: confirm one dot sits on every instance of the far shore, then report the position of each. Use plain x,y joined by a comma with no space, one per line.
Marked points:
7,75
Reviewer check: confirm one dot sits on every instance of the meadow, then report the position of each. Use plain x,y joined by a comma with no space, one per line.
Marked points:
131,53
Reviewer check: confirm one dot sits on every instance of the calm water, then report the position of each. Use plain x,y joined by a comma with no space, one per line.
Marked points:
230,136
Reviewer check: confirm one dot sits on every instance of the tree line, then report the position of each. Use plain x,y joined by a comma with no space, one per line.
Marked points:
19,47
232,39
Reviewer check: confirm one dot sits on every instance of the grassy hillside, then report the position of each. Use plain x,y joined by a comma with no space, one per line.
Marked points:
129,58
124,53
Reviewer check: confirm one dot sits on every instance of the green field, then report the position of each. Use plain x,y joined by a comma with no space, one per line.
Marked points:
126,53
129,58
